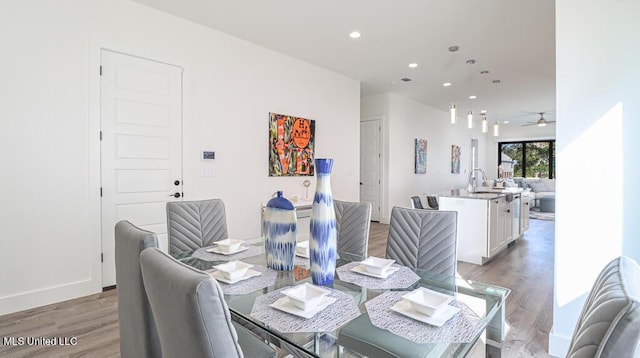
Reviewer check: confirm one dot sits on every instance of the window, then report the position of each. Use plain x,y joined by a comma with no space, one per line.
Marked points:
527,159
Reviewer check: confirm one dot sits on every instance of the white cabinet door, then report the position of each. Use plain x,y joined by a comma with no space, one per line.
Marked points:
525,206
495,229
507,223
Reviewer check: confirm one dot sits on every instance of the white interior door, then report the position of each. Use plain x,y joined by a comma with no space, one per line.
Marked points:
141,147
370,157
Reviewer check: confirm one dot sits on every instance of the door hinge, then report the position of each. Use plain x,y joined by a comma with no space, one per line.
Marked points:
100,70
101,257
379,155
379,129
379,181
100,135
101,192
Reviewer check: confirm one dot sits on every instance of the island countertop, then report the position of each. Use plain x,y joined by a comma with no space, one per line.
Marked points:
481,193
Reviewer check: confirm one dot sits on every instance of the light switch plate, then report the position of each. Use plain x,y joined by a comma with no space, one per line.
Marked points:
207,172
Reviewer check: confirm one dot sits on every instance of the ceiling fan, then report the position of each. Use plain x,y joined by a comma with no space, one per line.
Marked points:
540,122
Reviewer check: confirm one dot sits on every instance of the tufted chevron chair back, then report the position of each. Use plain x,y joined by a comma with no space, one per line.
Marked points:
353,221
138,335
424,239
195,224
609,325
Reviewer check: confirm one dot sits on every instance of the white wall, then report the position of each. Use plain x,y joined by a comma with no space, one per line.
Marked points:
49,227
598,102
404,121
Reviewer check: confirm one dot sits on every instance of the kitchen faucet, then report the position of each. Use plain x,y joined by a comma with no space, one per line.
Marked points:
472,185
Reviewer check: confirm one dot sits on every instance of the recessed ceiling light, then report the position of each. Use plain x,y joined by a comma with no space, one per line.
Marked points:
413,65
472,97
355,35
505,122
483,111
446,84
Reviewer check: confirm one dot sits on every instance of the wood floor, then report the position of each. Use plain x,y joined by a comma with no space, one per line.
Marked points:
526,268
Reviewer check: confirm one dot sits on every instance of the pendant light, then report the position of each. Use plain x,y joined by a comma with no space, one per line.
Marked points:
483,113
472,96
485,123
452,111
452,107
496,124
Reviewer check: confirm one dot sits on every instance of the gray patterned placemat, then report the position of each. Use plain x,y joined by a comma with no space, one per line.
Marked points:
202,254
461,328
331,318
402,278
268,278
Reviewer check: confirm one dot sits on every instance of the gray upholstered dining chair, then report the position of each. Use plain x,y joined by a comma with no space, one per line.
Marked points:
192,318
353,221
195,224
609,325
418,238
138,336
416,203
432,202
424,239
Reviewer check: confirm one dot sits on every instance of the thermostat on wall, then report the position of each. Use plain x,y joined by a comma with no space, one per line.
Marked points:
208,154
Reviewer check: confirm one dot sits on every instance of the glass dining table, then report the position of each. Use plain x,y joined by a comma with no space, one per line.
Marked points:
365,313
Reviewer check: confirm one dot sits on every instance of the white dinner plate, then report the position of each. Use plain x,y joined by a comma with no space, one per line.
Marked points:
249,274
284,305
441,317
217,250
362,270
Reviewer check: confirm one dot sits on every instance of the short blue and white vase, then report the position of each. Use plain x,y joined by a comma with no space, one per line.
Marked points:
322,245
279,228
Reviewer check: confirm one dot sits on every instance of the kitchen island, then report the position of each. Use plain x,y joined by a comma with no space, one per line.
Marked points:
488,220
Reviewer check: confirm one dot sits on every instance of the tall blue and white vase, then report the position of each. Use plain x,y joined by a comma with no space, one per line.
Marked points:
322,245
279,228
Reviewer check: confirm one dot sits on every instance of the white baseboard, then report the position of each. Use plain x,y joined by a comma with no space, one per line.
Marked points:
558,345
46,296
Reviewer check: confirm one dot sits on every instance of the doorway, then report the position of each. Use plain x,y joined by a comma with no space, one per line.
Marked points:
140,147
370,165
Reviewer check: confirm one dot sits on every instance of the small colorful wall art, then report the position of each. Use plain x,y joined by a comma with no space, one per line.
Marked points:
291,145
455,159
421,156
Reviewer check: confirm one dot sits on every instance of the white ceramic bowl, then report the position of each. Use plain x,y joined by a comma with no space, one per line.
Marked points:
376,265
302,248
426,301
305,296
229,245
233,269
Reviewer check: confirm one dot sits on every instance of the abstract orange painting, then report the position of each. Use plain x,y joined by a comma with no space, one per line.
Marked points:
291,145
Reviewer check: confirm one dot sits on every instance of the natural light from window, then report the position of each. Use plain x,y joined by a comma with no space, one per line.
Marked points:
598,171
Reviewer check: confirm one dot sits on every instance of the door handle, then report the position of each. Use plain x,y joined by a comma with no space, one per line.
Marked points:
175,195
177,182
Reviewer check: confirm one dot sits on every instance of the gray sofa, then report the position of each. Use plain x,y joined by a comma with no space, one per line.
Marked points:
539,187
